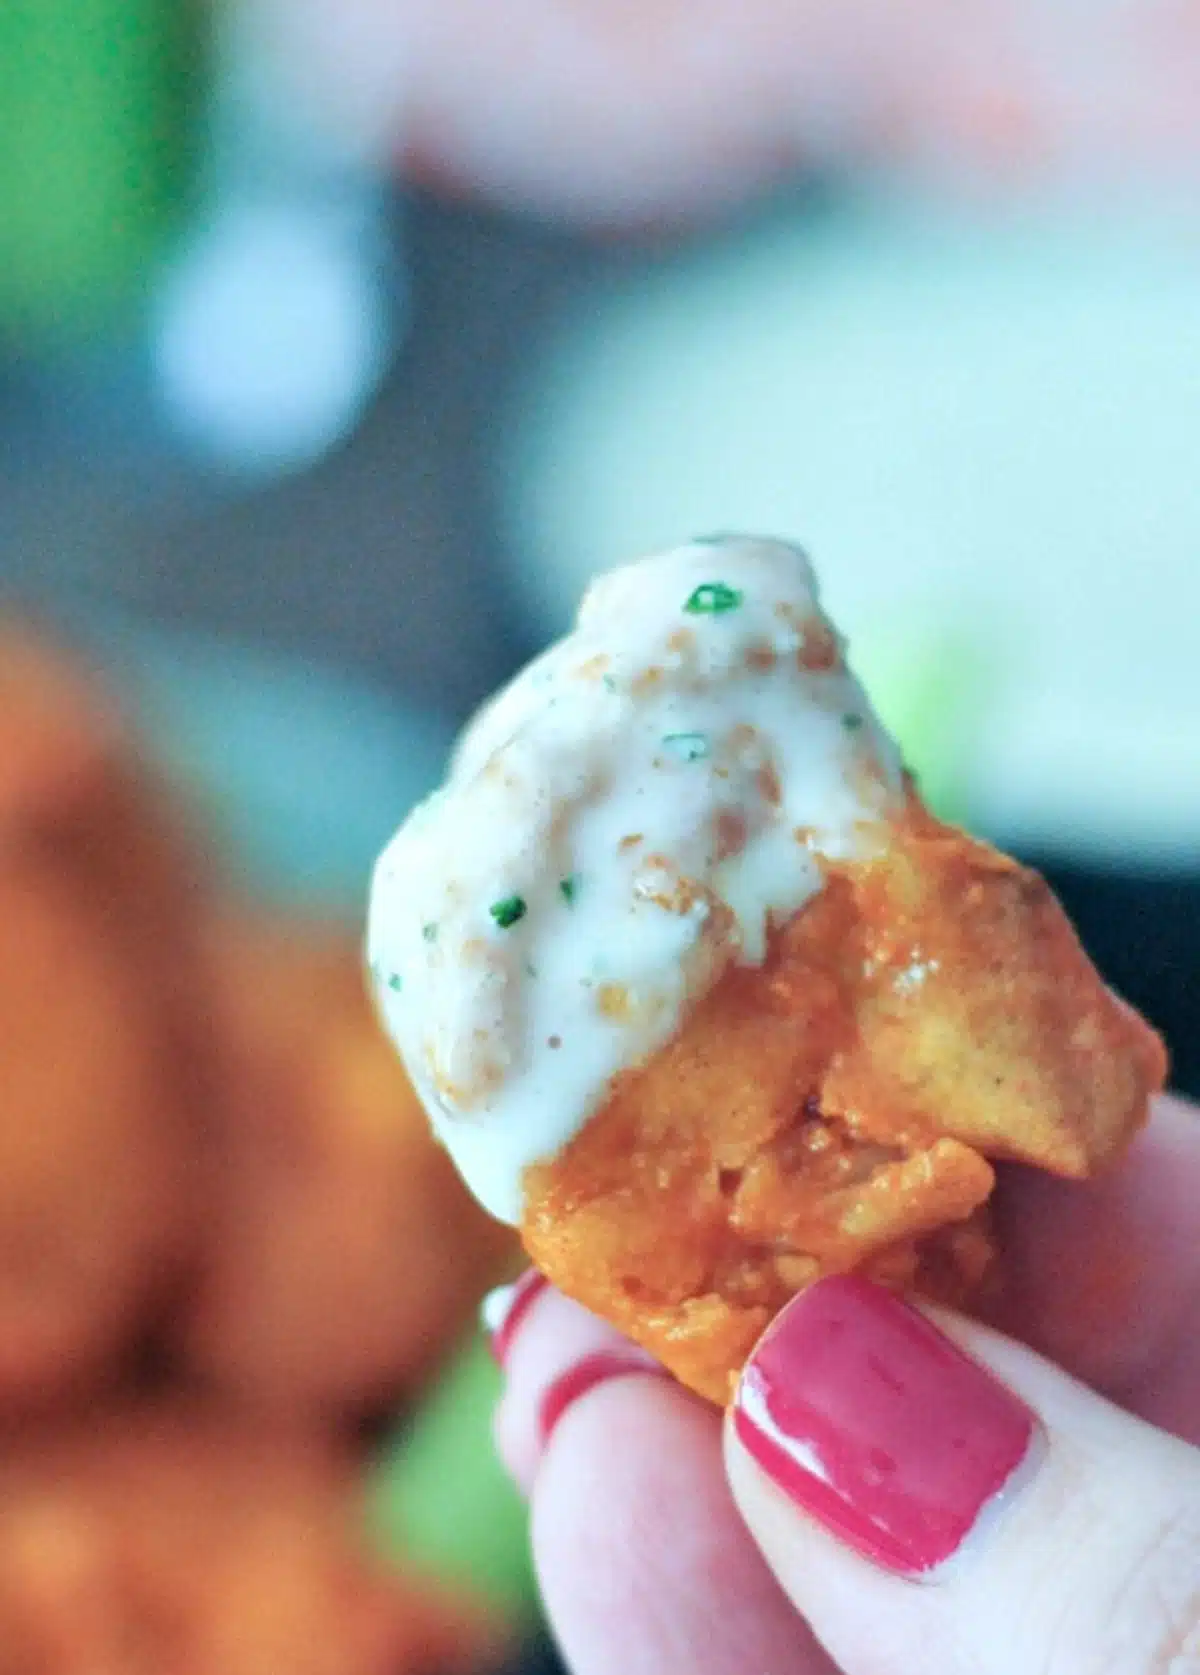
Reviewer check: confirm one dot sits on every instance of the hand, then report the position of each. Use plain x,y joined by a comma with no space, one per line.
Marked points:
667,1542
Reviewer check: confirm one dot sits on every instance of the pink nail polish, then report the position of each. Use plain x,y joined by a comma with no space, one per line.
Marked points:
601,1367
505,1308
879,1427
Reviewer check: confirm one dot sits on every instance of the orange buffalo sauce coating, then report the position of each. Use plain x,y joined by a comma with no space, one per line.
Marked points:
837,1107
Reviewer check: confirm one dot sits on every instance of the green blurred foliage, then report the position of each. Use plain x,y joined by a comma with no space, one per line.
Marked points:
931,691
100,102
442,1499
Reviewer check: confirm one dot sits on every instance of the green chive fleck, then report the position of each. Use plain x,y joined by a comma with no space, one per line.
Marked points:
568,889
429,932
608,682
852,723
506,913
691,747
395,982
711,598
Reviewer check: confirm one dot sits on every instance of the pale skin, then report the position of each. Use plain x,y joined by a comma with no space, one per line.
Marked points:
661,1546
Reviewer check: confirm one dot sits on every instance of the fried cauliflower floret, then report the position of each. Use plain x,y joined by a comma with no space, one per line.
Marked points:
698,994
345,1258
101,1025
838,1107
166,1540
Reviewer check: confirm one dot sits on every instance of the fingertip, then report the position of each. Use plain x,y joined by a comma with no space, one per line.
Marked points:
505,1308
643,1562
1098,1274
602,1366
556,1354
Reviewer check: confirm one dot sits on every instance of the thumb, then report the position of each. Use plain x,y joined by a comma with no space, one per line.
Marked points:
942,1504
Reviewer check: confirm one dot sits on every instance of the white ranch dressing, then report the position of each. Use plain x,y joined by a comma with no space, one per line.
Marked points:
618,825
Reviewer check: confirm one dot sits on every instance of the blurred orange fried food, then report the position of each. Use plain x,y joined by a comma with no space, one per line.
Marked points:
163,1540
204,1144
102,1016
346,1258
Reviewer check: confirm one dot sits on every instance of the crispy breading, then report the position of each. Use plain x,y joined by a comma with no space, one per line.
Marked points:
839,1107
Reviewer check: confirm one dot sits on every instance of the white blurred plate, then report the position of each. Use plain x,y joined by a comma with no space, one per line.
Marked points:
986,431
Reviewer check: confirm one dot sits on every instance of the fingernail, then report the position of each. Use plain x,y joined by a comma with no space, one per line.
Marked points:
600,1367
879,1427
504,1309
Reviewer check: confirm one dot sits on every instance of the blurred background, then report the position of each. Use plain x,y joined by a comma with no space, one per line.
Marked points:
340,342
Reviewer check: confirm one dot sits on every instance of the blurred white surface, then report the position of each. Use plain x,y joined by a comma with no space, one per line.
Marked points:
985,432
274,329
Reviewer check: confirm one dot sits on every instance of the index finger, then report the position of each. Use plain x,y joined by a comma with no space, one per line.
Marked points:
1102,1276
645,1566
